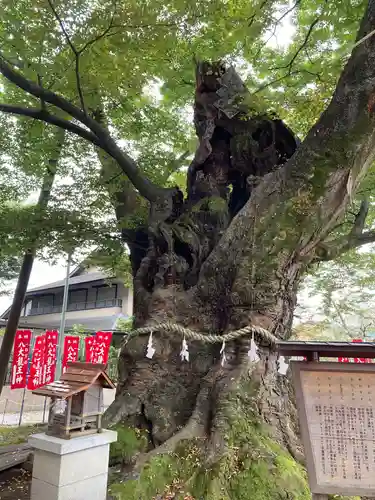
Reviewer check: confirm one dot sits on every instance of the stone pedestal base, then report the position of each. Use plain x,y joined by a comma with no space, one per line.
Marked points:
75,469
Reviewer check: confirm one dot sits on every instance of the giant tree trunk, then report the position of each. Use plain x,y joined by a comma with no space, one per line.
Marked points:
178,279
259,206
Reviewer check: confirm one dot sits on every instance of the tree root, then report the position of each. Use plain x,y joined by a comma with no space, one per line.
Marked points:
195,427
191,430
216,391
123,406
290,441
210,422
224,390
288,422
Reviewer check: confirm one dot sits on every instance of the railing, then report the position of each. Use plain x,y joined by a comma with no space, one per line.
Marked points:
76,306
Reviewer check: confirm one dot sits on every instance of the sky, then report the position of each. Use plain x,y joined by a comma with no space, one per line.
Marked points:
41,274
44,273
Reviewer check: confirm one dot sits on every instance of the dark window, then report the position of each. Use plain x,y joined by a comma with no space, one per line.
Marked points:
76,296
43,301
106,293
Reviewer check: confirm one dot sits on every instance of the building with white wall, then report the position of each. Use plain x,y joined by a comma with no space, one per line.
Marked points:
96,301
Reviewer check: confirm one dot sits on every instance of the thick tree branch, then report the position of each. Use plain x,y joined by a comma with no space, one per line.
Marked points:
122,193
340,246
145,187
314,188
44,116
42,103
355,238
360,219
123,196
36,90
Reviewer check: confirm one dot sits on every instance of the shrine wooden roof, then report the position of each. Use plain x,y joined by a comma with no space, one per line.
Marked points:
327,349
77,378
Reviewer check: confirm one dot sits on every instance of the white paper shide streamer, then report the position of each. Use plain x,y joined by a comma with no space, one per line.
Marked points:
184,351
150,348
253,351
283,366
222,352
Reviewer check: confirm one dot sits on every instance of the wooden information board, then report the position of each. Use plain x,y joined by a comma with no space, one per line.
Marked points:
336,405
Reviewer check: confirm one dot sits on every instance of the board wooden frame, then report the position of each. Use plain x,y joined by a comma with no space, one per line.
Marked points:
298,367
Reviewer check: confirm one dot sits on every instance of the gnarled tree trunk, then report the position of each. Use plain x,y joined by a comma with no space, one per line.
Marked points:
189,273
259,209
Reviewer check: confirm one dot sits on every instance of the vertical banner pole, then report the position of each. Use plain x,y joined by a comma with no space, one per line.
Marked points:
44,410
62,322
5,410
22,406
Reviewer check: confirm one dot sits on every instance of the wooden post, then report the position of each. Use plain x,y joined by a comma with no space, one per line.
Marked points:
51,411
312,356
100,400
68,415
83,405
99,423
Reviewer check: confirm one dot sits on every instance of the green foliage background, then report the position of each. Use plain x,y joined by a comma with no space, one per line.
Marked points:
136,60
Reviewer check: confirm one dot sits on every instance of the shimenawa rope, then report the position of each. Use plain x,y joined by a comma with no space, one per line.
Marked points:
167,327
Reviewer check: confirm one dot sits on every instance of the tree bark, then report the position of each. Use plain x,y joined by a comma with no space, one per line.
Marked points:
176,401
259,206
27,265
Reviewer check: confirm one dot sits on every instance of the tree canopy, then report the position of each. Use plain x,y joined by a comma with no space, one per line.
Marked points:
280,182
131,64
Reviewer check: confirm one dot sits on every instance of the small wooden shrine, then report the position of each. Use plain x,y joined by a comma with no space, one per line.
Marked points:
76,400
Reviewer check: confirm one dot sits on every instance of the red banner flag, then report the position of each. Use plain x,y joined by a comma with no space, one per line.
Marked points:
20,359
50,356
360,360
89,348
35,379
356,360
101,349
71,350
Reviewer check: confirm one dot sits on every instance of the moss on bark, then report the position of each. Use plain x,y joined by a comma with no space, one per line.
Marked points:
253,466
129,443
260,471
